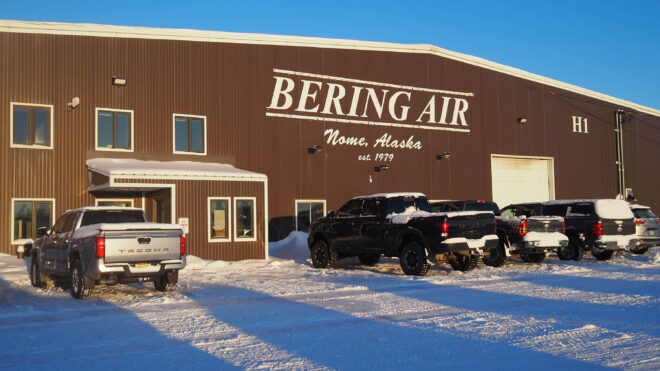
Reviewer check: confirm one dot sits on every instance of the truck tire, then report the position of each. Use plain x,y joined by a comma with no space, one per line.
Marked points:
413,259
322,255
81,286
463,263
602,254
496,257
35,272
369,259
572,251
533,257
640,250
167,281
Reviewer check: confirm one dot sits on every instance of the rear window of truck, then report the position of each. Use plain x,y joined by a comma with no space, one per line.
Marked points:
482,206
112,217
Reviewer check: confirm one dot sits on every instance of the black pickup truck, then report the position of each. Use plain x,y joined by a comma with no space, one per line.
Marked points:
401,225
522,230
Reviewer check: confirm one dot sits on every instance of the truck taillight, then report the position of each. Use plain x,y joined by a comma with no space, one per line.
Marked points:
183,245
598,229
523,228
444,229
563,227
100,247
640,221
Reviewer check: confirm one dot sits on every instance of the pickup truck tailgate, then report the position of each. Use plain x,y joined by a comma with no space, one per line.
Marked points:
471,224
142,245
545,224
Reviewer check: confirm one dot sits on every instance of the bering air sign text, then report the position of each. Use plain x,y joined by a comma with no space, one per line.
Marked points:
301,95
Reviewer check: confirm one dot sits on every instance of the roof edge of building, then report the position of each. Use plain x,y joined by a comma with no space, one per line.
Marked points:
98,30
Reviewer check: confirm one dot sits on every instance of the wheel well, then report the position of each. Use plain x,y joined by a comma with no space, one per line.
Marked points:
409,237
74,256
317,237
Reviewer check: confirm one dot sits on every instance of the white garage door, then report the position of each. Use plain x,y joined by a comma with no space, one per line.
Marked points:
522,179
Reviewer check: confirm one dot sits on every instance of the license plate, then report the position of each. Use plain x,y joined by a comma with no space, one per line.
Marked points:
142,265
651,233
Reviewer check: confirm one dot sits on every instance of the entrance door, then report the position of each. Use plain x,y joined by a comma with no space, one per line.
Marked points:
159,206
522,179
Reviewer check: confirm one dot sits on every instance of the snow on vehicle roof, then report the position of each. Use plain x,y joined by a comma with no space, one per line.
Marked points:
393,194
640,207
572,201
133,167
613,209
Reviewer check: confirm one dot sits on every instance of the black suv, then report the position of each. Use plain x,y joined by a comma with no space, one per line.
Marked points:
599,226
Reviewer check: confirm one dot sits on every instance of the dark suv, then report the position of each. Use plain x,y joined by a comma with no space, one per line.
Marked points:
600,226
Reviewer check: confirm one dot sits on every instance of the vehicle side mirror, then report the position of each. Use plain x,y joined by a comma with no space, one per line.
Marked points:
331,214
42,231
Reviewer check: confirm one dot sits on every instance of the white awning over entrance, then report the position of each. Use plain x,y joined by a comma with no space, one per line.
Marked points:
121,167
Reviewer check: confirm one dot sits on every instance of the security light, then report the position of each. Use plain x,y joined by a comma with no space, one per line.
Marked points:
118,81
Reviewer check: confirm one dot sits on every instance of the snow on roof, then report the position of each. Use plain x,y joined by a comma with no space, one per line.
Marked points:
613,209
92,208
136,168
571,201
393,194
639,207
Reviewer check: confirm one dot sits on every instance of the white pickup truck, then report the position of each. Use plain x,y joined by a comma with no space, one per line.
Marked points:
108,245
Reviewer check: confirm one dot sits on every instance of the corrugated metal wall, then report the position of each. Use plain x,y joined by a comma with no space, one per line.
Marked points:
232,84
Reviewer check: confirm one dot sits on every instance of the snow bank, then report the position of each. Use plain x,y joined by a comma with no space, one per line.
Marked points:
293,247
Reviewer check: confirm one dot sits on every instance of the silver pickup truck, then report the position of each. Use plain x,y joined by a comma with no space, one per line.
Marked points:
108,245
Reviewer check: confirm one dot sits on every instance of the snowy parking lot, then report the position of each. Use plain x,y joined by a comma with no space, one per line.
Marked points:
284,314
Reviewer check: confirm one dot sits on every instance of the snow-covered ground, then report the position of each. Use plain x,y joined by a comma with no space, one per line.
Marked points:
284,314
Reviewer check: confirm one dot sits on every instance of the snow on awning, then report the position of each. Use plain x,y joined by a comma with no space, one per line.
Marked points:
122,167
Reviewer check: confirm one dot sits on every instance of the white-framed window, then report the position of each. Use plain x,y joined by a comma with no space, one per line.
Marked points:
189,134
125,202
31,125
245,219
28,215
114,129
307,211
219,219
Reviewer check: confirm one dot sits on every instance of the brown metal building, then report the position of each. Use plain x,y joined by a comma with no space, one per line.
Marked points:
244,137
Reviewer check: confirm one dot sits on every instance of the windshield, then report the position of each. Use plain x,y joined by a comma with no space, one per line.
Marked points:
112,217
643,213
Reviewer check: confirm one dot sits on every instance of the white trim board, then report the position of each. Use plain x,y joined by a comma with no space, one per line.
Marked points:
96,30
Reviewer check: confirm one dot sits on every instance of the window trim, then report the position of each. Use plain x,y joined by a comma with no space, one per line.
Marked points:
11,218
96,130
51,109
325,211
96,200
204,129
208,219
254,219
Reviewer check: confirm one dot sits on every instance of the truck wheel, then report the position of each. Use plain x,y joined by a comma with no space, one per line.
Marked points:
602,254
167,281
570,251
81,286
369,259
413,259
322,255
640,250
35,272
463,263
579,252
496,257
533,257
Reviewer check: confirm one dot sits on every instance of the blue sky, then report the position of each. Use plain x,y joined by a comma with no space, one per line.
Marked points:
612,47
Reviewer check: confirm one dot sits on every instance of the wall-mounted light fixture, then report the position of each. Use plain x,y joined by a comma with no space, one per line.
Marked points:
443,155
380,168
75,102
522,120
118,81
314,149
